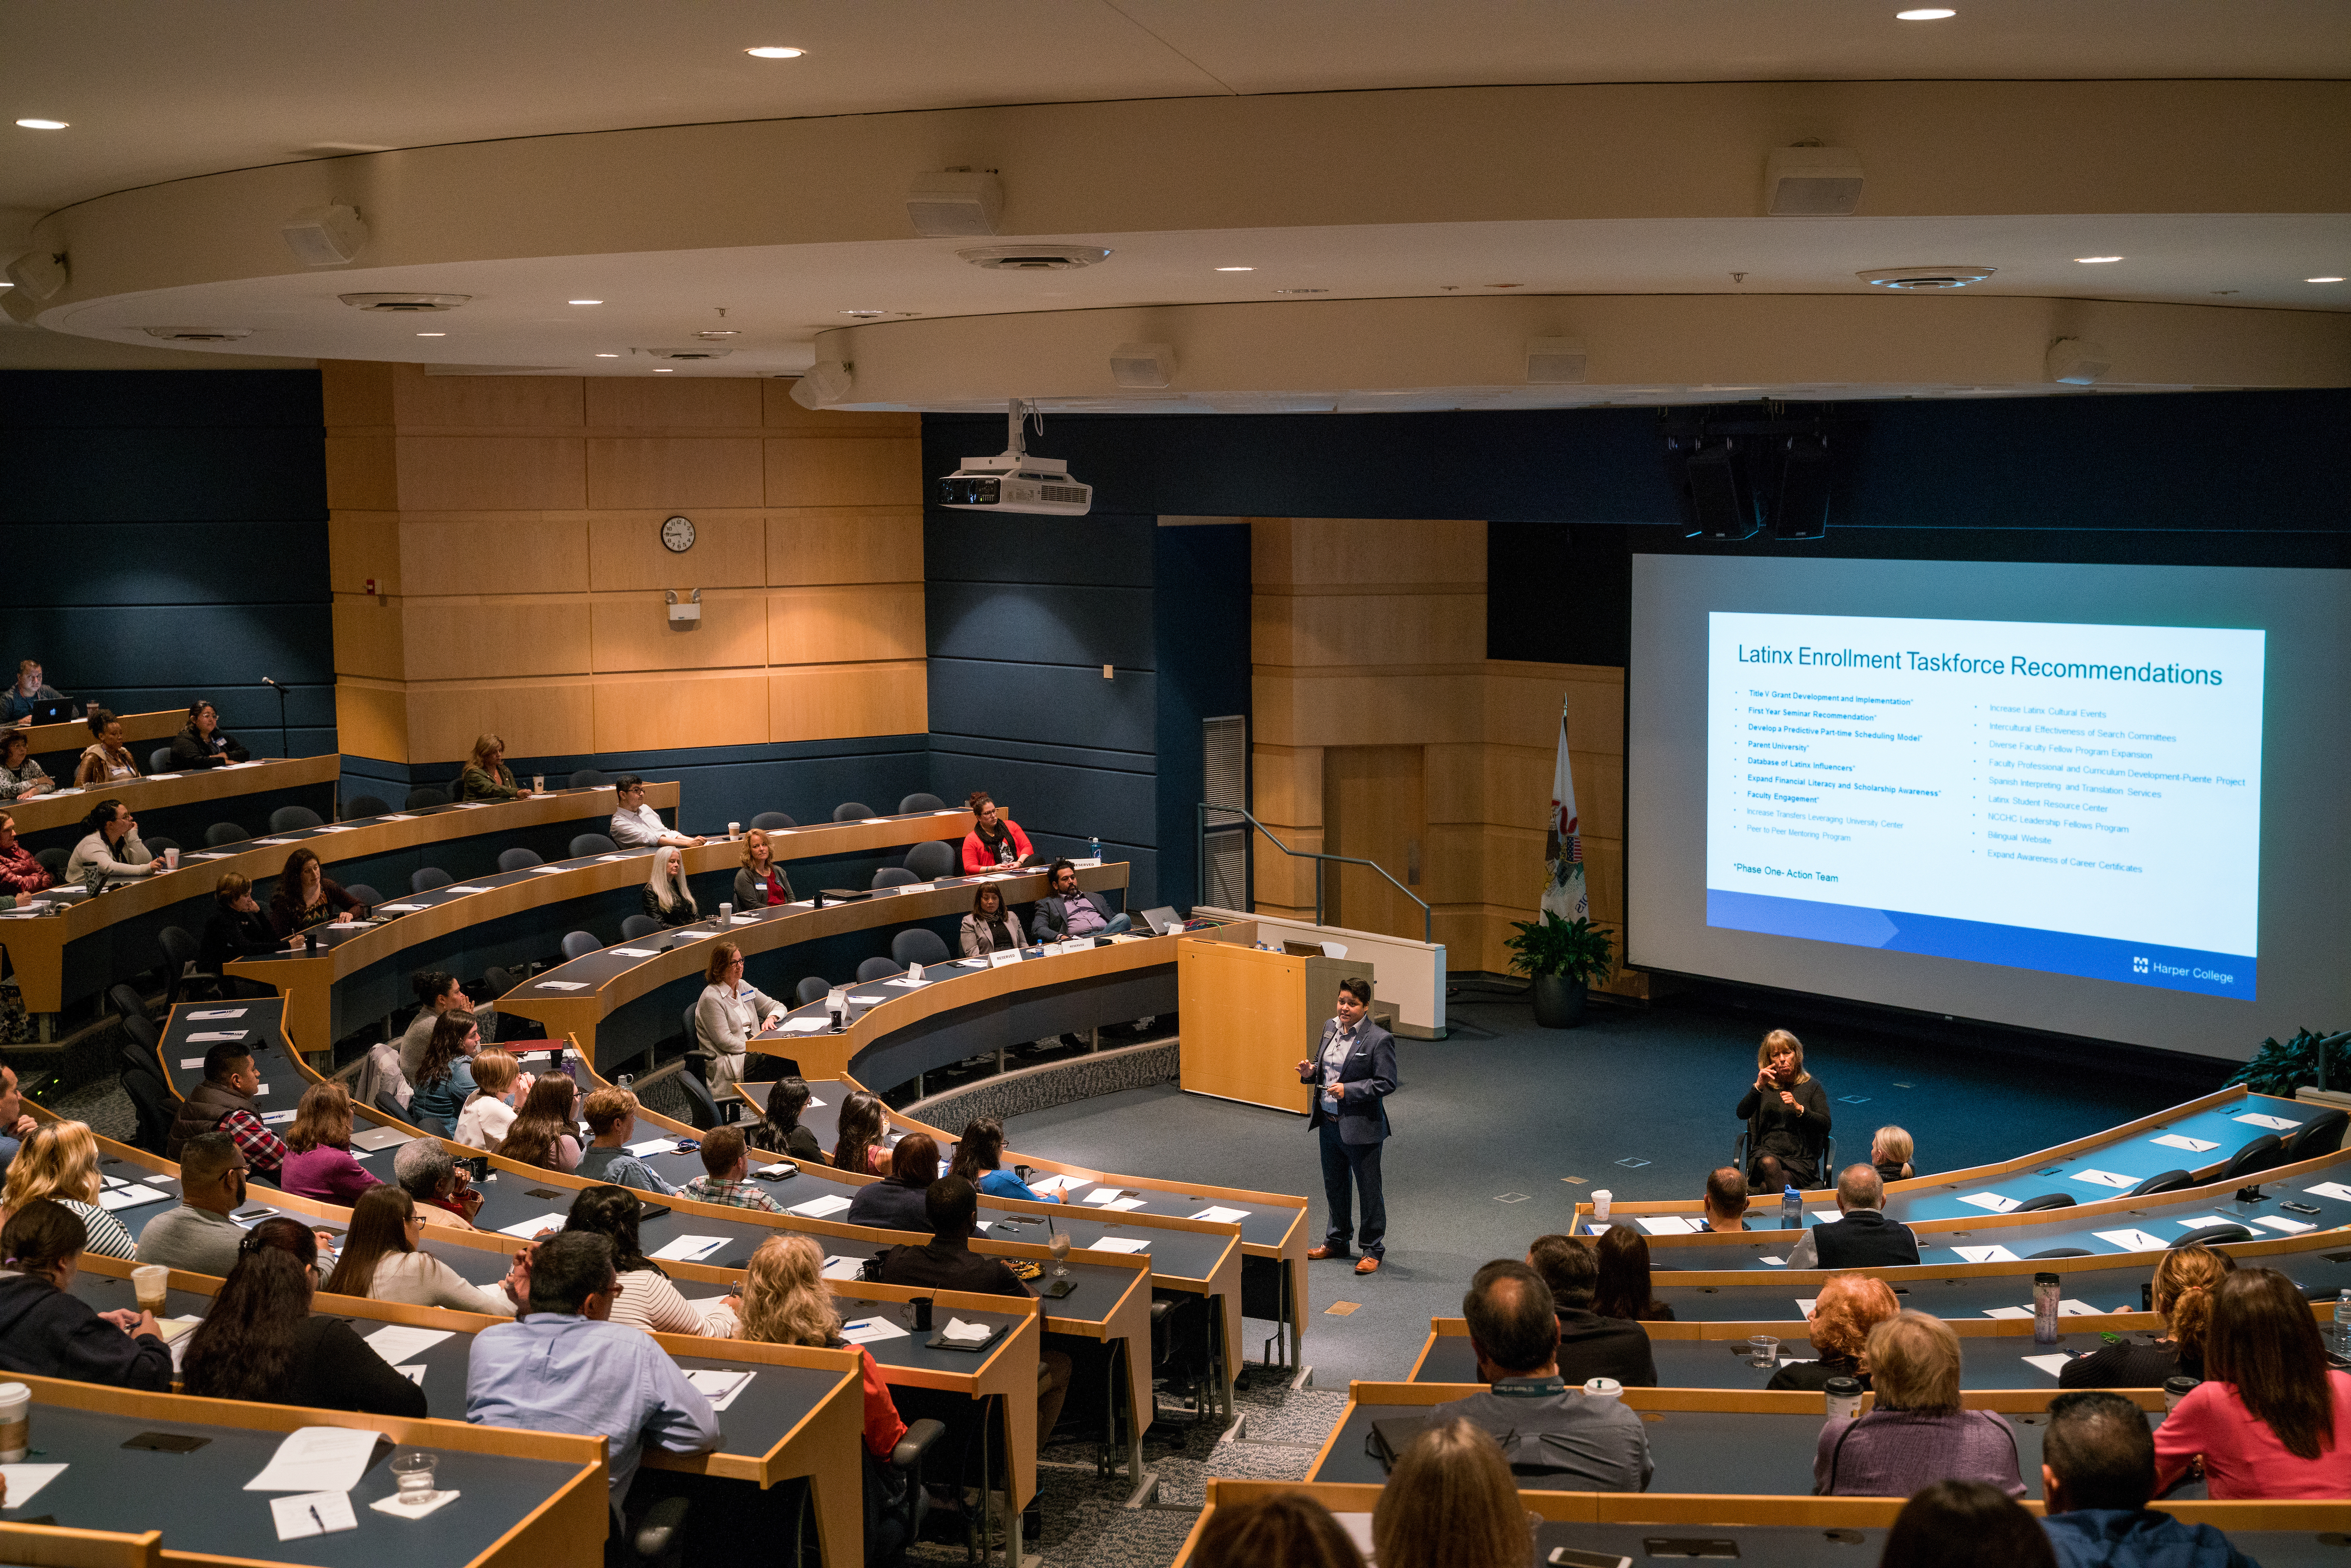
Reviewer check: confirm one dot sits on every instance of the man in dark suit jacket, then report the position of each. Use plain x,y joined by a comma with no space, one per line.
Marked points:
1353,1071
1065,912
1589,1345
1865,1237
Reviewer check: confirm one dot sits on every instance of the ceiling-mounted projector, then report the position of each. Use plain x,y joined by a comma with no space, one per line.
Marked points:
1014,481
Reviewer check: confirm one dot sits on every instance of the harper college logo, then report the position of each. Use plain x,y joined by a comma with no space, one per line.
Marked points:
2138,966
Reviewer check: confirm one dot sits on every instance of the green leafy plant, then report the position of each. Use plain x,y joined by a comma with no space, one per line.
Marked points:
1576,949
2280,1070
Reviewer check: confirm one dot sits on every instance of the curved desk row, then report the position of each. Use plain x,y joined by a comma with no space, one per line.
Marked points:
181,806
55,744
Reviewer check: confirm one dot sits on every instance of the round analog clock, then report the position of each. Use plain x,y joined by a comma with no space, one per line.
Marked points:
677,534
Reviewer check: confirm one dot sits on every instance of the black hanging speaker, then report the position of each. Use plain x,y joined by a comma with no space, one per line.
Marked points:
1721,496
1801,510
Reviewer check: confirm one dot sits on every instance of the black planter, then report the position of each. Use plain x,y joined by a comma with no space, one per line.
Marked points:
1559,1001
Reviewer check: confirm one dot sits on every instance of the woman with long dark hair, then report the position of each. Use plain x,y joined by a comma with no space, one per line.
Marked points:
107,759
261,1343
201,742
2270,1419
444,1079
859,1147
779,1131
306,896
1623,1288
979,1160
545,1133
990,927
382,1262
111,847
646,1297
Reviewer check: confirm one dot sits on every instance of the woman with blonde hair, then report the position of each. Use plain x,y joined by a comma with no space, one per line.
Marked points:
1917,1434
1890,1149
60,1162
320,1163
1287,1530
1451,1503
1787,1116
2184,1280
1850,1305
761,884
486,776
667,898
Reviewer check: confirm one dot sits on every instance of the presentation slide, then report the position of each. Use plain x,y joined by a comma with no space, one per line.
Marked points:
2099,801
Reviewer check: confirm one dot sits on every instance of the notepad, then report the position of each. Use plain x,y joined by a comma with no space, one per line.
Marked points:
867,1001
528,1229
465,890
212,1037
1665,1224
314,1513
2274,1123
210,1013
192,1064
2336,1190
1775,1262
1986,1254
2279,1222
326,1459
1045,1184
2052,1365
958,1332
562,986
2104,1179
1104,1195
720,1387
838,1268
1222,1215
636,951
1998,1203
398,1343
2202,1220
24,1480
2180,1140
2132,1240
804,1026
1119,1244
690,1248
414,1374
2070,1308
2008,1312
823,1207
871,1331
644,1146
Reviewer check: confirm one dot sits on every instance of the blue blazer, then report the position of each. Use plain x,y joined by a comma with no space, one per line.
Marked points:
1366,1079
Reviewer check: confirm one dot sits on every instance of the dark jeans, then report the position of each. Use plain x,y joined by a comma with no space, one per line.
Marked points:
1341,1161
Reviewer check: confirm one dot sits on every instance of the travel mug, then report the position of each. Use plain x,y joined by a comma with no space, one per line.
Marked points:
2045,1308
922,1305
1843,1395
2176,1389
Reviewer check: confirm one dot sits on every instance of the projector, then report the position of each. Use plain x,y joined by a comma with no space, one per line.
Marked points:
1015,481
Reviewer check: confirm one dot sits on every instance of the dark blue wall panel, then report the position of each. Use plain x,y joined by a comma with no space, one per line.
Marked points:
1203,661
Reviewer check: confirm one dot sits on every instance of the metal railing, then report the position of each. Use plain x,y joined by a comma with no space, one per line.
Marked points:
1428,919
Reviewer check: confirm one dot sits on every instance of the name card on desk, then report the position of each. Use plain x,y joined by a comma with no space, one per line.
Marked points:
1009,956
561,985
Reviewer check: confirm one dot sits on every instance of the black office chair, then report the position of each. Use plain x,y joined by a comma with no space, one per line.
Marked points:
639,925
592,844
878,969
158,844
894,876
2322,1135
931,861
432,1126
369,897
768,821
127,1001
53,860
426,878
360,806
2213,1235
289,819
894,1509
1828,1158
919,944
579,945
423,796
180,972
153,1104
588,779
2046,1200
518,859
2264,1152
144,1038
389,1103
2162,1181
852,811
812,989
222,834
2056,1252
919,801
159,761
128,1058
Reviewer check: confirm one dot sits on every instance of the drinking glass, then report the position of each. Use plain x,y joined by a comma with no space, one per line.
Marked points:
1057,1242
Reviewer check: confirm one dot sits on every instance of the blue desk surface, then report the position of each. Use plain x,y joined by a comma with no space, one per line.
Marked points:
1987,1363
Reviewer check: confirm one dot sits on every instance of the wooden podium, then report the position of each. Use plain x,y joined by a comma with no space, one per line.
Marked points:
1248,1016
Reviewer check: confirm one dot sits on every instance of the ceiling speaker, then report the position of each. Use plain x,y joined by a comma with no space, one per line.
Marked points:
826,382
1554,362
1812,183
1035,257
325,236
40,273
1143,364
954,204
2078,362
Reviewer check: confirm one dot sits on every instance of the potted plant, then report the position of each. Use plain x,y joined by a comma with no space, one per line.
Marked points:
1561,957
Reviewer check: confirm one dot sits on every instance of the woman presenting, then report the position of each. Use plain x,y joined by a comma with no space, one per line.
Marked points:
1787,1117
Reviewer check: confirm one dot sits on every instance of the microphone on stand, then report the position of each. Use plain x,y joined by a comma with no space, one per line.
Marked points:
285,747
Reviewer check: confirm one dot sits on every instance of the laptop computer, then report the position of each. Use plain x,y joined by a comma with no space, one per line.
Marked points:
1162,920
59,711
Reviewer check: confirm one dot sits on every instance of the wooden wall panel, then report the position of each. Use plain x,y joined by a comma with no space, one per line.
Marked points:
630,401
355,391
485,402
535,718
675,473
829,702
362,545
625,551
1361,707
839,544
875,472
459,637
361,471
494,552
1367,631
679,711
1286,784
632,631
491,472
1330,553
370,718
850,624
368,637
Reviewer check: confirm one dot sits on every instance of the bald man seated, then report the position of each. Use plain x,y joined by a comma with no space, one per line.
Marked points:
1864,1238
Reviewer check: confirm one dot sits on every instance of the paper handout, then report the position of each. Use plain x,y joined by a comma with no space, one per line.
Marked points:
1999,1203
871,1331
718,1385
690,1248
2132,1240
2181,1141
528,1229
1119,1244
218,1013
2052,1365
2274,1123
958,1332
398,1343
2104,1179
1223,1216
322,1459
1986,1254
644,1146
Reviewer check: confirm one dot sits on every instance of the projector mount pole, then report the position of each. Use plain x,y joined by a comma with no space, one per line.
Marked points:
1016,414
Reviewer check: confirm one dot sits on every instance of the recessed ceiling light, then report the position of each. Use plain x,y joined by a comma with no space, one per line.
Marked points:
2322,280
2096,260
1925,14
865,315
42,124
664,370
432,334
583,302
774,52
607,356
1302,291
1236,269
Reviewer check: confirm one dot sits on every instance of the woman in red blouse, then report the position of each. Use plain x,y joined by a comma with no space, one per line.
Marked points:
996,841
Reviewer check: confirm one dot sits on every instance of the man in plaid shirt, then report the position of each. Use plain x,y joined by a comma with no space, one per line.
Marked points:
727,1162
223,1102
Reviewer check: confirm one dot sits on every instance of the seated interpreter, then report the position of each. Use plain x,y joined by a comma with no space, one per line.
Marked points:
46,1331
107,759
261,1343
1622,1291
1787,1116
1726,1199
726,1178
1889,1151
443,1191
2182,1297
780,1131
27,689
1589,1345
1917,1434
761,883
729,1012
897,1202
1451,1502
384,1262
486,776
857,1143
307,897
227,1102
2271,1420
60,1162
239,928
996,841
668,899
979,1160
21,778
499,1084
110,849
1065,912
319,1160
990,927
2097,1474
21,876
1864,1238
1549,1434
444,1080
544,1133
1848,1308
647,1299
198,1233
637,826
201,742
611,1117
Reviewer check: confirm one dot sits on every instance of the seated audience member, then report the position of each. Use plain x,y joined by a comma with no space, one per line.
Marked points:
2097,1473
1889,1151
1968,1524
611,1117
444,1079
442,1189
383,1261
646,1299
780,1131
111,848
307,897
668,899
1850,1305
107,759
319,1160
726,1176
1726,1199
1917,1434
237,928
1282,1529
1589,1345
990,927
761,884
1787,1116
437,992
46,1331
858,1146
1864,1238
1451,1502
224,1103
21,875
17,705
20,776
544,1132
198,1233
637,826
946,1262
261,1343
60,1162
1065,912
1549,1432
897,1202
996,841
201,742
729,1012
1624,1288
979,1160
490,1113
564,1367
2270,1419
2184,1279
486,776
15,1125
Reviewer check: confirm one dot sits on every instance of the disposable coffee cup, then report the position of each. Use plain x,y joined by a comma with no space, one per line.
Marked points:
1601,1199
150,1280
734,830
171,860
725,914
1603,1389
2176,1389
1844,1396
15,1422
537,782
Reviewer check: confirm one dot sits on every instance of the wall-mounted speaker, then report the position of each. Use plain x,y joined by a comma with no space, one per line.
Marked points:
2077,362
40,273
1554,362
826,382
1143,364
1812,183
956,203
331,235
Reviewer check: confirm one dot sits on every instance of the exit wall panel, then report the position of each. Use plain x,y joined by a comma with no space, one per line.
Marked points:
625,550
854,624
674,472
845,543
882,472
491,472
632,631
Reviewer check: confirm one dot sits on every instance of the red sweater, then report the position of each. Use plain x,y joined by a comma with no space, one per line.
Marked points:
2242,1457
977,857
20,873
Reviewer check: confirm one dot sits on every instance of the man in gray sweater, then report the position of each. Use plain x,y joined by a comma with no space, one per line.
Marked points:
199,1236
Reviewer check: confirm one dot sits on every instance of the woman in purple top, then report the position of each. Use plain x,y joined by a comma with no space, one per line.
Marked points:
320,1165
1918,1435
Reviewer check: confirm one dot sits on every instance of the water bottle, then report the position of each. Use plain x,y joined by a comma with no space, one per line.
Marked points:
2045,1308
1093,848
1792,1208
2343,1324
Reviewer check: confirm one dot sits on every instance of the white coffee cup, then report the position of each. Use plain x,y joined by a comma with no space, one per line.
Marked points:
171,860
15,1422
1603,1389
538,783
725,914
734,830
1601,1199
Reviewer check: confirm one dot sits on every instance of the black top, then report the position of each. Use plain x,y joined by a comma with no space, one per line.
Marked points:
949,1263
1814,1376
2131,1363
1893,1170
1593,1346
187,751
333,903
1864,1238
679,913
1776,1129
799,1143
234,934
890,1205
334,1369
50,1332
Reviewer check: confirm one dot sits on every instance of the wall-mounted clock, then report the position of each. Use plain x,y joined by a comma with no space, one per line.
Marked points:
677,534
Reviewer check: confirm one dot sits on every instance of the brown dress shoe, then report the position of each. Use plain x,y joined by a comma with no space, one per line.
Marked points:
1367,1265
1325,1251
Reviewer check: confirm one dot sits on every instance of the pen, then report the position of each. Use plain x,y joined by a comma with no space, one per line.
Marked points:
317,1520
